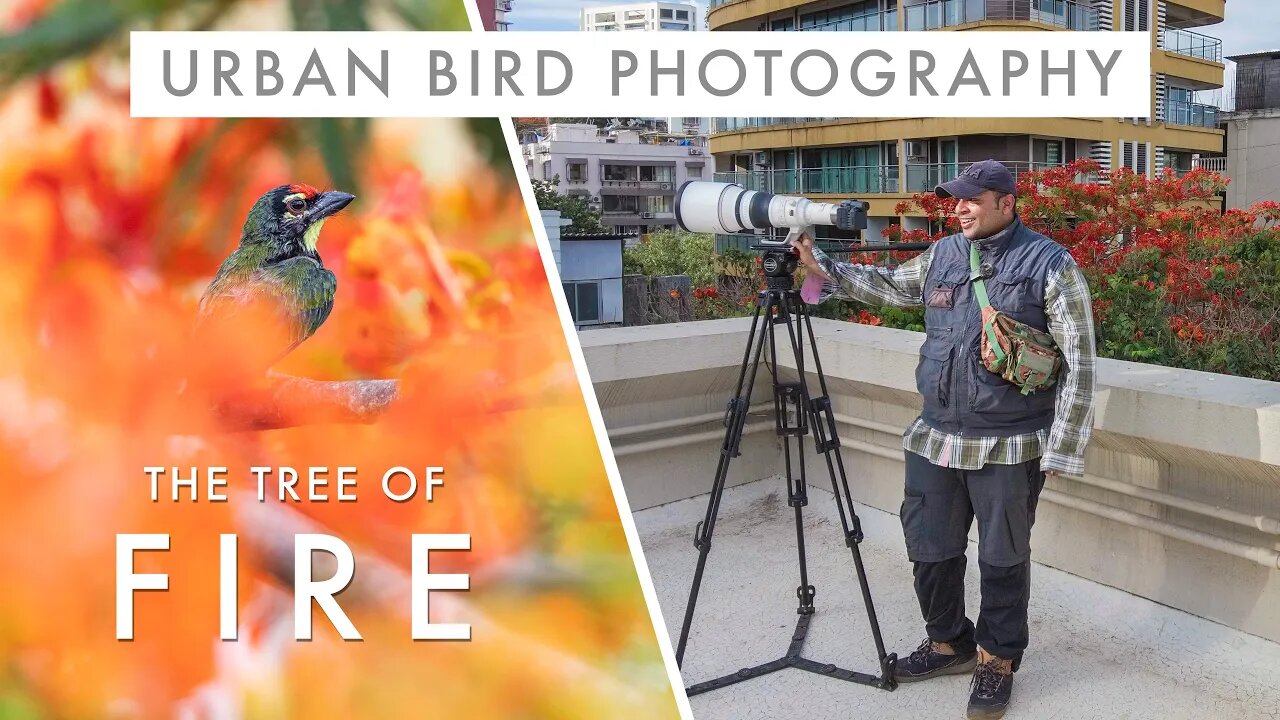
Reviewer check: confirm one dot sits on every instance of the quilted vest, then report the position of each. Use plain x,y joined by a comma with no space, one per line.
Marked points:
960,395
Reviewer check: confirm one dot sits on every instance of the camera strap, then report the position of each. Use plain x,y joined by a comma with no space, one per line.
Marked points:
980,290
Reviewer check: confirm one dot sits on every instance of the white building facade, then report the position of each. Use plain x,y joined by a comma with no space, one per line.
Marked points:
656,16
630,177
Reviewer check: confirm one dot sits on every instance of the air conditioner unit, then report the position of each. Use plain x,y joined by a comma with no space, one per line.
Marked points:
695,151
918,149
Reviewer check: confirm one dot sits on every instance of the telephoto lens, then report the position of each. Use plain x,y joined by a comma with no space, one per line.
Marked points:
719,207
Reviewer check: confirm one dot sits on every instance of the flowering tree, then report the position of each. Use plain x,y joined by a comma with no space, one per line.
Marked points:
1175,280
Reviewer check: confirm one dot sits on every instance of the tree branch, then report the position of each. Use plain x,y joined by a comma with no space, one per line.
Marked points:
286,401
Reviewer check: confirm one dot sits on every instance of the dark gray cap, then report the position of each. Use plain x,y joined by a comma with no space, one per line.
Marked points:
983,175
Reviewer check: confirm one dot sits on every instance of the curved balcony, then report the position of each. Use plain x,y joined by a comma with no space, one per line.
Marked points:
734,124
938,14
1194,13
859,180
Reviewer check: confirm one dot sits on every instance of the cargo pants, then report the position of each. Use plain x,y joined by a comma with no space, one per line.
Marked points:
938,510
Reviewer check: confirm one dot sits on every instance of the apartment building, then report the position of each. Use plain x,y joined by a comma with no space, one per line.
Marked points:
885,160
630,176
1253,131
493,14
640,16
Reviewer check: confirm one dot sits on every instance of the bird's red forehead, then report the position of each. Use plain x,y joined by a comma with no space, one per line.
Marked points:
304,189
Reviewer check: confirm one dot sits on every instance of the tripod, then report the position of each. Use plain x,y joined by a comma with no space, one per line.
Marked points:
777,304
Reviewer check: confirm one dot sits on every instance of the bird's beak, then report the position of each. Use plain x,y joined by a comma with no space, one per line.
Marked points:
330,203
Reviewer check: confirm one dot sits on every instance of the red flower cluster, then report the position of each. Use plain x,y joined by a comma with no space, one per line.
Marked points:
707,292
1174,279
866,318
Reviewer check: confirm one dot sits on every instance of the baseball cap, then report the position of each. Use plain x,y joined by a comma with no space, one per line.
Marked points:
983,175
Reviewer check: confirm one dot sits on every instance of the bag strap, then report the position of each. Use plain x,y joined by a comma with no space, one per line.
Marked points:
980,290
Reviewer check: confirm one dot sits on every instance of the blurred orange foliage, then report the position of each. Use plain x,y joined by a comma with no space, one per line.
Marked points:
111,228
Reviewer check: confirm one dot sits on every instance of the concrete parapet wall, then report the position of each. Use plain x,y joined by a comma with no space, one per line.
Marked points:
1179,504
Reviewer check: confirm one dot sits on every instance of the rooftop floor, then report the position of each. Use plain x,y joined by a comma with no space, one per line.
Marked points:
1096,652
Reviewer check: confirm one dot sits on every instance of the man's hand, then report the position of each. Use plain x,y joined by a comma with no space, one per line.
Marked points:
804,246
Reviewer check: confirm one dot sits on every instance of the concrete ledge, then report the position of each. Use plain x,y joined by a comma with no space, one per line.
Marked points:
1180,502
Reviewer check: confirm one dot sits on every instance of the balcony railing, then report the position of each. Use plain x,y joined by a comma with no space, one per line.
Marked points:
1185,42
1212,164
733,124
886,21
935,14
926,177
641,184
1177,112
830,180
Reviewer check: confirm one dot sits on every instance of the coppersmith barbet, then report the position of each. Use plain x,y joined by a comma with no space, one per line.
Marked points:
273,291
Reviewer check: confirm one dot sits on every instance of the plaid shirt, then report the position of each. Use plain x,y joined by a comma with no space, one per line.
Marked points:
1070,314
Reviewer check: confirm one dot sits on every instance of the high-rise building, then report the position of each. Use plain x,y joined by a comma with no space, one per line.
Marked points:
640,16
493,14
886,160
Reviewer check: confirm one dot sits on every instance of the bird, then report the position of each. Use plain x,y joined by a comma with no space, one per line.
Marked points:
273,291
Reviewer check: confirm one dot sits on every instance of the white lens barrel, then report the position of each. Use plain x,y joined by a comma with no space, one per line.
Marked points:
714,207
793,211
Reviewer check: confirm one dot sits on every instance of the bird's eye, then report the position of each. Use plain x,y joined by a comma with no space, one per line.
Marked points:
297,205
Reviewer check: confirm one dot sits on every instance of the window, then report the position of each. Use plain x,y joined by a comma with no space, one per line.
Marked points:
577,172
682,14
546,170
635,14
584,301
1177,160
693,171
657,204
657,173
674,26
604,17
1046,152
619,172
665,14
861,16
620,204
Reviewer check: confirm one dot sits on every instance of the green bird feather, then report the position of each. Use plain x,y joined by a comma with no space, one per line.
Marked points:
273,292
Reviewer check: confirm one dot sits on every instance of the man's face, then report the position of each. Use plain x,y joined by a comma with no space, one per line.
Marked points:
984,215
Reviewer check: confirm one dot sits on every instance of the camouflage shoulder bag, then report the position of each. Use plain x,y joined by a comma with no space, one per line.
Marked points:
1014,350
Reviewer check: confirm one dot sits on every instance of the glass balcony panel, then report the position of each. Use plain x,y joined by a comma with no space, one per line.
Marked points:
1190,44
935,14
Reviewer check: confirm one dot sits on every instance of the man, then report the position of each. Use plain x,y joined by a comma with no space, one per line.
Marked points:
980,447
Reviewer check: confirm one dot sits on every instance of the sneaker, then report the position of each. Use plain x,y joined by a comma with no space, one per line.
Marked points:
927,662
991,687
